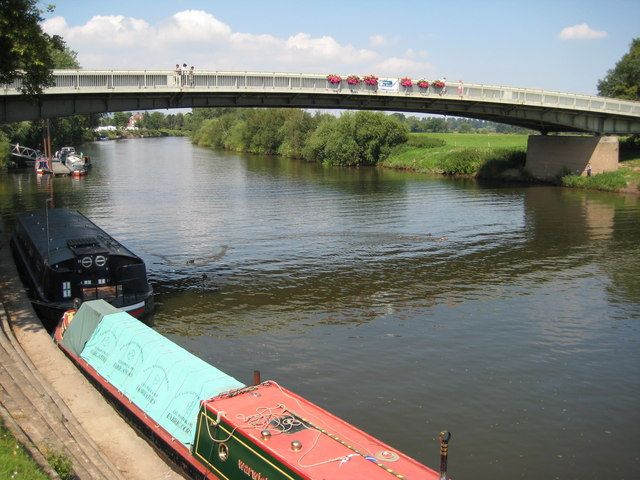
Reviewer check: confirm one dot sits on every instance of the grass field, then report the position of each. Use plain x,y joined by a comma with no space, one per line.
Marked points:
440,148
15,463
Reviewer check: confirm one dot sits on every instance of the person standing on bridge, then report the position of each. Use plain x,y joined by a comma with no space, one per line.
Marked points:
177,73
460,89
192,71
443,91
184,74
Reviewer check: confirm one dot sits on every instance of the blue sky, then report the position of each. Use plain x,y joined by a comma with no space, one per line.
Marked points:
512,43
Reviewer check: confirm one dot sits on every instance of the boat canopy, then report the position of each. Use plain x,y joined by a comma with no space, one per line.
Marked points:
162,379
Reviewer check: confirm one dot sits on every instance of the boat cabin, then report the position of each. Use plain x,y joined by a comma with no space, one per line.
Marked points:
62,255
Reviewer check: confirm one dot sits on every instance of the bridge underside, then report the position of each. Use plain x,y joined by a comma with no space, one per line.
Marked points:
543,119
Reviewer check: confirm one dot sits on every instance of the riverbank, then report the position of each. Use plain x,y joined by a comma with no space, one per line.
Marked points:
498,157
51,409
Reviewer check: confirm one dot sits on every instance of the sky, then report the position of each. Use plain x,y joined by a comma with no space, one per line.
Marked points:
559,45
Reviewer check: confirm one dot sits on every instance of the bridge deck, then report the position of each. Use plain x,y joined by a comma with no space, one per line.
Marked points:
92,91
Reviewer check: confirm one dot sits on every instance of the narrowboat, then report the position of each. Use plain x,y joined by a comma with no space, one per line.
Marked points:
211,424
62,255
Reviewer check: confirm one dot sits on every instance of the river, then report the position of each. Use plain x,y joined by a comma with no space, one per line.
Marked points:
403,303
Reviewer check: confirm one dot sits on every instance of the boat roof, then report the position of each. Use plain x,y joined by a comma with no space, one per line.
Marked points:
164,380
329,446
70,234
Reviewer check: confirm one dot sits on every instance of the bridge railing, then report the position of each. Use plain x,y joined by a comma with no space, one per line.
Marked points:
78,81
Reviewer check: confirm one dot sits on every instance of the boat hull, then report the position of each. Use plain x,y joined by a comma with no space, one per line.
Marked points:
260,432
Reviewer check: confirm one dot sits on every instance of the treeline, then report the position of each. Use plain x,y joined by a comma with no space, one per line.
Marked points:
354,138
147,120
456,125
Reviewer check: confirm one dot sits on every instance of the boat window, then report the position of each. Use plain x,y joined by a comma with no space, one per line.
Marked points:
108,293
66,289
86,282
102,281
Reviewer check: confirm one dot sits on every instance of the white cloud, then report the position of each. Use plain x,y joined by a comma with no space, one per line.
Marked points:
198,38
378,40
399,67
581,31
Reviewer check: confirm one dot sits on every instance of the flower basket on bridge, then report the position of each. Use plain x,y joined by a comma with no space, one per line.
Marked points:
407,83
438,84
353,80
334,79
422,84
371,80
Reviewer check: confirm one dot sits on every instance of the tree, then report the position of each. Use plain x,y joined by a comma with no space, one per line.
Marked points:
623,81
26,50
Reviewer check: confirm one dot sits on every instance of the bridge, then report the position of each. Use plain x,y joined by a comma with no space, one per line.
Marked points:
25,153
101,91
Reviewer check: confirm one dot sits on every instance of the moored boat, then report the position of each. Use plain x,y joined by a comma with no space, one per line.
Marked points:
42,166
61,255
211,424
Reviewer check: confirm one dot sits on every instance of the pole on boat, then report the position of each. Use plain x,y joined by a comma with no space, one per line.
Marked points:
256,377
444,438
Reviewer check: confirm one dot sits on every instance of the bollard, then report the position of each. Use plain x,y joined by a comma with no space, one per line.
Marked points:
444,438
256,377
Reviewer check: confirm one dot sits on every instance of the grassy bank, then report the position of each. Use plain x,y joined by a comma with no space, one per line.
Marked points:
500,156
460,154
14,461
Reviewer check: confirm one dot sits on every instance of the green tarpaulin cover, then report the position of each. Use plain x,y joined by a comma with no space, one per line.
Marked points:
162,379
84,323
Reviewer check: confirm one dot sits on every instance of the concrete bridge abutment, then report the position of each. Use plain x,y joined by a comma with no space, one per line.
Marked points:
550,156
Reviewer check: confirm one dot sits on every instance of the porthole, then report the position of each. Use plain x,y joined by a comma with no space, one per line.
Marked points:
86,262
223,452
101,261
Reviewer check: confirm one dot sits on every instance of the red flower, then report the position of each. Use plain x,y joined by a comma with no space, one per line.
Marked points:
422,84
438,84
353,80
334,79
371,80
406,82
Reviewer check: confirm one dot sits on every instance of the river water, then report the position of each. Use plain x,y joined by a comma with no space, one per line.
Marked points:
402,303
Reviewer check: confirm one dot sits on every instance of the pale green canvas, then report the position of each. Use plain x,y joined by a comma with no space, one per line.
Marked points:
162,379
84,323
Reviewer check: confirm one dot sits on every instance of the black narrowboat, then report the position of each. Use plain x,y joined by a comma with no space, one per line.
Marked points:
62,255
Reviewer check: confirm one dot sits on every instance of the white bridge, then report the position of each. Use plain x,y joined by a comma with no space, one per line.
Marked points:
99,91
25,153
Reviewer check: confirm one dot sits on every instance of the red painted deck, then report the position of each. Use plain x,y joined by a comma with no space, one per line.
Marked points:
330,447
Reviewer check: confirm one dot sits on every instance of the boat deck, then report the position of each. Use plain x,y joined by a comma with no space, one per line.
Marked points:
60,169
297,438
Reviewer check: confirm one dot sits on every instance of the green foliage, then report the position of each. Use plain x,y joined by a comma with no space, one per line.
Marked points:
61,464
609,181
630,148
4,149
296,129
425,141
623,81
14,461
25,51
466,161
62,56
360,138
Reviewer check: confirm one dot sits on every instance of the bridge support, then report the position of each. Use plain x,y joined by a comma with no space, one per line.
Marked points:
550,156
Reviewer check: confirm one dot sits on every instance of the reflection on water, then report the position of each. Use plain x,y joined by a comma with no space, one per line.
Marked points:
405,304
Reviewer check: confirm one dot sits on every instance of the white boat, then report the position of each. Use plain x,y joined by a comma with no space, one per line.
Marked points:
76,165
